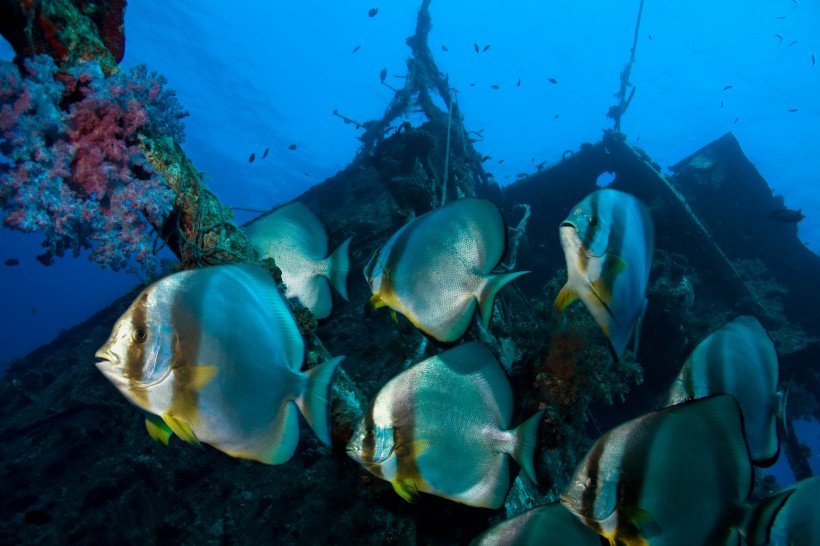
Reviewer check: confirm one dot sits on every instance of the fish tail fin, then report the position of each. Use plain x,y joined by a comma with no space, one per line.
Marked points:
314,403
486,295
338,265
526,440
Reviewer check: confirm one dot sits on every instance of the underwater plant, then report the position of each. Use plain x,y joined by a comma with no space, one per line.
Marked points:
73,166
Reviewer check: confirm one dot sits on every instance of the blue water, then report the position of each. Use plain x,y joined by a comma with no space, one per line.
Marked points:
269,75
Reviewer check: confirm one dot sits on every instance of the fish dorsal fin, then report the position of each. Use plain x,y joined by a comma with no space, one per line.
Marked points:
475,360
157,429
270,296
406,489
565,297
181,429
298,222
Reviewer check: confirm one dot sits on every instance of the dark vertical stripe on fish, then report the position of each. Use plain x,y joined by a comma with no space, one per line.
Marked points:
135,363
589,496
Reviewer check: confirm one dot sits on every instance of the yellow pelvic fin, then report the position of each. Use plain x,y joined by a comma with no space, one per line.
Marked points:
565,297
196,377
157,429
395,317
406,489
603,293
375,302
412,449
181,429
615,264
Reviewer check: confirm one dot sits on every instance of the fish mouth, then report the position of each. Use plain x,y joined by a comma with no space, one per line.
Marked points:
106,358
567,224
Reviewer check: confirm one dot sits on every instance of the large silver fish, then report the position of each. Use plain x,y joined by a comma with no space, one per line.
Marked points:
738,359
297,241
435,269
608,242
789,518
442,427
550,525
678,476
214,356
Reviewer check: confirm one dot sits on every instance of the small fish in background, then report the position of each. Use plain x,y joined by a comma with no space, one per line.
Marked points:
738,359
792,43
297,241
355,49
780,17
789,517
552,80
292,147
251,158
721,104
436,269
787,216
264,154
728,87
486,47
519,83
638,479
556,116
372,12
534,526
442,427
792,110
736,120
477,49
500,161
383,74
650,37
444,47
608,242
495,86
11,262
214,356
812,60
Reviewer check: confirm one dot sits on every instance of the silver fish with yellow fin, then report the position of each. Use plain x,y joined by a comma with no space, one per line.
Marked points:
738,359
442,427
608,242
214,356
297,241
437,268
550,525
675,477
791,517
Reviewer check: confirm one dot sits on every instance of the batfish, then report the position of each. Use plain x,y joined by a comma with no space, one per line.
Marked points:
435,269
678,476
297,241
442,427
214,356
608,242
550,525
738,359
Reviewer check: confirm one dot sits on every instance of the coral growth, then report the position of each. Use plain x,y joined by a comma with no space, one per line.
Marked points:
73,165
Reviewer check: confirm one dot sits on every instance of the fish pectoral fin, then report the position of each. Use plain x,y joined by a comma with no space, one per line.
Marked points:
157,429
196,377
644,523
181,429
565,297
406,489
411,449
615,264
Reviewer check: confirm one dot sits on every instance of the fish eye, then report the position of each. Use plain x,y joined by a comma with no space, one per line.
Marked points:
140,335
593,221
369,433
591,483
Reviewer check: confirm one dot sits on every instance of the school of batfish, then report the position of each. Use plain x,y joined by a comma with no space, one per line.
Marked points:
215,356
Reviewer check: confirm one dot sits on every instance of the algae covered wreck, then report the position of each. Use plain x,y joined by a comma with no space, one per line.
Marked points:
79,467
